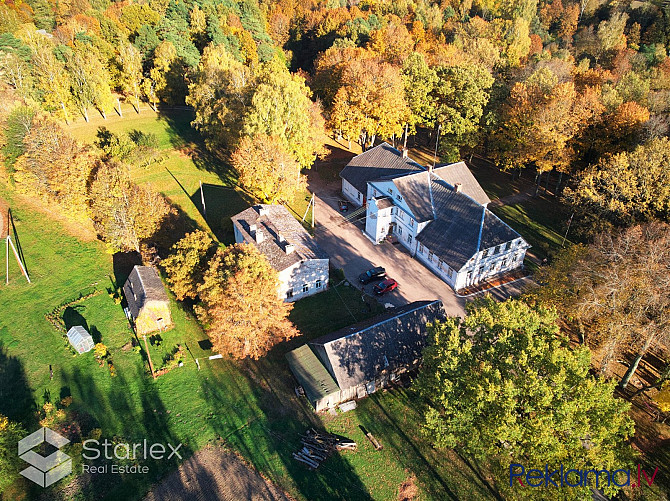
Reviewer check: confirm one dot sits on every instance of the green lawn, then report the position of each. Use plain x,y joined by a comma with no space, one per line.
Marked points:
248,406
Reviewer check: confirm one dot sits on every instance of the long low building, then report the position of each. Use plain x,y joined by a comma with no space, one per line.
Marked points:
357,360
439,214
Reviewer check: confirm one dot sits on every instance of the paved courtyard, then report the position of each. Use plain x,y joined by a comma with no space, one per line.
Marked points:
352,251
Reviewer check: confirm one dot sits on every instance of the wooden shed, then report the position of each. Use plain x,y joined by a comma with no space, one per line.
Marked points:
147,299
80,339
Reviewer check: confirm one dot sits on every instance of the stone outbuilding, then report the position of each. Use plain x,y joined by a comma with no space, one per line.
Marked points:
148,302
300,262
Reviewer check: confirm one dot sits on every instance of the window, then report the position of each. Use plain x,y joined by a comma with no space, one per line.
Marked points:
399,197
497,249
318,284
391,191
505,246
411,222
393,210
289,294
359,196
409,239
440,265
450,272
399,230
305,287
503,263
431,256
481,270
420,247
485,253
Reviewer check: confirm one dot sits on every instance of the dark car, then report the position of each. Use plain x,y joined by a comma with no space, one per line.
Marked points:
377,273
386,286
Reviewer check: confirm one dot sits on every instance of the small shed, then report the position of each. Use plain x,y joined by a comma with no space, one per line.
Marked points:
147,299
80,339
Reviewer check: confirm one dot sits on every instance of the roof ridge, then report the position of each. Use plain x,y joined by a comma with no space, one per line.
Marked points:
427,302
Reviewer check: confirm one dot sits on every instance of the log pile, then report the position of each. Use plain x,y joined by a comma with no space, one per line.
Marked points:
317,446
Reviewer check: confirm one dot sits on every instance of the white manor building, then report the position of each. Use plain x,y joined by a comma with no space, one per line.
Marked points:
439,214
300,262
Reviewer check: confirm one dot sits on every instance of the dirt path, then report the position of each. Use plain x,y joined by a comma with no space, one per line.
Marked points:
511,199
215,474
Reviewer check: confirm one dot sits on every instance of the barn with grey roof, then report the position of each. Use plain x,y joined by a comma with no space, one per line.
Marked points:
300,262
357,360
439,214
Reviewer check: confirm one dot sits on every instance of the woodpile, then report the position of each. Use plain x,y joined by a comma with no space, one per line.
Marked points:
317,446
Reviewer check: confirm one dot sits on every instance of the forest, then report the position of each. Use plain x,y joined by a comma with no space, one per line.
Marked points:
572,95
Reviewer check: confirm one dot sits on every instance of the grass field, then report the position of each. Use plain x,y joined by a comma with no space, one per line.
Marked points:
248,406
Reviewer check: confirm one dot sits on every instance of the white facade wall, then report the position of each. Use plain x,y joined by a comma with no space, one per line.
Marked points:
351,193
312,273
303,279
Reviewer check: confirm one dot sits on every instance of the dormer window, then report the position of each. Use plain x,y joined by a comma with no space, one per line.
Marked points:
391,191
485,253
399,198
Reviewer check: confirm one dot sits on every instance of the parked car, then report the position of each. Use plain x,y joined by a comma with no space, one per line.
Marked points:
386,286
377,273
343,205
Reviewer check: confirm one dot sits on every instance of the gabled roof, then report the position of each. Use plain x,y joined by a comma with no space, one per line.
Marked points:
459,173
462,227
143,285
359,353
280,230
310,373
382,161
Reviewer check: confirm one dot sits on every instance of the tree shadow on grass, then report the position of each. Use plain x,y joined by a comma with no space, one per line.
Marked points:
16,398
188,141
260,416
123,416
221,203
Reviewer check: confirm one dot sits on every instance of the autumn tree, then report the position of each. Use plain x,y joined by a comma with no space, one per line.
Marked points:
266,169
124,215
616,292
90,80
187,263
220,93
54,167
281,107
129,62
461,93
626,188
420,81
371,101
240,308
503,386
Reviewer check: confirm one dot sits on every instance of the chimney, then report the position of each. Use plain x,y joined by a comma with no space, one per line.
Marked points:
289,248
259,236
280,237
458,187
252,229
404,152
263,211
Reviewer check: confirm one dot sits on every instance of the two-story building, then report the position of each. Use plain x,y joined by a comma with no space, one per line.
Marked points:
439,214
301,264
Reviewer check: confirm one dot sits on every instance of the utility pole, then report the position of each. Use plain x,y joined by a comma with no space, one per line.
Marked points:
151,365
404,146
313,207
566,231
437,141
202,199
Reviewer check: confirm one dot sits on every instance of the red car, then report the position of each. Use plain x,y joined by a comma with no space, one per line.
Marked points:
385,286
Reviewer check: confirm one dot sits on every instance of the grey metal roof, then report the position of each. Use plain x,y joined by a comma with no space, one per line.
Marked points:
359,353
310,373
384,202
379,162
416,193
459,173
143,285
454,236
280,229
